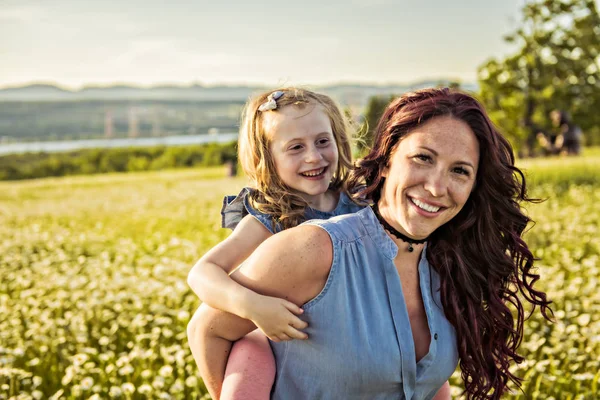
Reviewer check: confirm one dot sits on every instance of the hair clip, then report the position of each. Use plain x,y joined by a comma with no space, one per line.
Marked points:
271,103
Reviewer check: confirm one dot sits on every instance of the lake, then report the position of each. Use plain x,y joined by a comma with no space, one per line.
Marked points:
68,145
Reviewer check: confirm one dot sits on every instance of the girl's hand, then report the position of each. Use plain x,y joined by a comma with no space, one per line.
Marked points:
277,318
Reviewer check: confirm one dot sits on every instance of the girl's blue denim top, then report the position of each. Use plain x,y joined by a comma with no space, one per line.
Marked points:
360,343
237,207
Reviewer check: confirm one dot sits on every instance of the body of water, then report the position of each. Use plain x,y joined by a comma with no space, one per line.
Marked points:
69,145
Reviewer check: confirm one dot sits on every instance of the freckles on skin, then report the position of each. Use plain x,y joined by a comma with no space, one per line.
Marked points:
434,165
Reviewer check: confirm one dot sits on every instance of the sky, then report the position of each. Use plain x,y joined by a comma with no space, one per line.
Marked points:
75,43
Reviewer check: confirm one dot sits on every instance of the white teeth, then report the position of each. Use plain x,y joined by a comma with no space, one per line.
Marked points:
425,207
314,172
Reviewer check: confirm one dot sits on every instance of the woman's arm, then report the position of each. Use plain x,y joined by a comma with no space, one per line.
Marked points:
209,279
293,264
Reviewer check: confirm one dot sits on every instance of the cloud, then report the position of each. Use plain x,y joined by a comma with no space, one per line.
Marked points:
371,3
21,14
157,53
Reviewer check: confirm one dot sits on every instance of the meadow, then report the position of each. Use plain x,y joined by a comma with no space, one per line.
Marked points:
94,301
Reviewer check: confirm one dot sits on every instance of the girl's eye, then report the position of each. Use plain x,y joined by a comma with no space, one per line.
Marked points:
323,142
295,147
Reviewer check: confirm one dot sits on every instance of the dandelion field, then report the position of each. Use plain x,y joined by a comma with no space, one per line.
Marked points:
94,301
93,296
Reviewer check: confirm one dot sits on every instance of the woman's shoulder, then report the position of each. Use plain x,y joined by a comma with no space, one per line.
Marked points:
306,245
293,264
344,227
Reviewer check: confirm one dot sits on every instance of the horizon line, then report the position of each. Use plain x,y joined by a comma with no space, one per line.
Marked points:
218,84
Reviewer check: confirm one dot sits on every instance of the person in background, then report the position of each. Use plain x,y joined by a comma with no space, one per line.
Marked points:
568,138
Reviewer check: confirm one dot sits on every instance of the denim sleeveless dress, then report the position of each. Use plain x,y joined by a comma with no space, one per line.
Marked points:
237,207
360,342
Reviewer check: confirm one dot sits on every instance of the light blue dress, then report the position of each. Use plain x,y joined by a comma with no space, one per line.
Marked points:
360,342
237,207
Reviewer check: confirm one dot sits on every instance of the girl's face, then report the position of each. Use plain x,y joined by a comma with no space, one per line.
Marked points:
430,176
303,148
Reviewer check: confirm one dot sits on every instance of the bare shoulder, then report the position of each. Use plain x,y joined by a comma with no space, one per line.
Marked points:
305,238
293,264
306,245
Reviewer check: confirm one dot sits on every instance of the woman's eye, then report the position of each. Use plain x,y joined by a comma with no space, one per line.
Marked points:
462,171
423,157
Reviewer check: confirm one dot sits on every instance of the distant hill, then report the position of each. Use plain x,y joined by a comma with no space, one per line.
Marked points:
48,92
45,112
358,95
35,92
347,94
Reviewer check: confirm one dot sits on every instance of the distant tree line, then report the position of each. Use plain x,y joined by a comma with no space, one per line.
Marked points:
26,121
94,161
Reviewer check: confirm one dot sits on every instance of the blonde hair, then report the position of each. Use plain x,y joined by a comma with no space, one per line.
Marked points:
272,197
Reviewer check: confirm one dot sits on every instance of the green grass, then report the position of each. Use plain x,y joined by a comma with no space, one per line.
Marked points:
93,296
93,299
561,171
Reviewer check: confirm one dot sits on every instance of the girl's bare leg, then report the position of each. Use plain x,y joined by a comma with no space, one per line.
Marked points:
250,372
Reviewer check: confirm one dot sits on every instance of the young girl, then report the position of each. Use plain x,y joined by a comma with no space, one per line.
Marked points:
294,148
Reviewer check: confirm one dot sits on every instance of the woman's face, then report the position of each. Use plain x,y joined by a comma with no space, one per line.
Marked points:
430,176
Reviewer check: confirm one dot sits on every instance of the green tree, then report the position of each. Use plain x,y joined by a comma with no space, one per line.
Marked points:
556,66
375,108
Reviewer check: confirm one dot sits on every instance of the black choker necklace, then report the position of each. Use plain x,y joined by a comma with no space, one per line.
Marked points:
394,232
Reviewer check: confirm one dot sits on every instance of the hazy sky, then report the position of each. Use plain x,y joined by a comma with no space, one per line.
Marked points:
76,42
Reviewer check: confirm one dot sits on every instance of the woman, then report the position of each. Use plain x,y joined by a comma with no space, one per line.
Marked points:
395,294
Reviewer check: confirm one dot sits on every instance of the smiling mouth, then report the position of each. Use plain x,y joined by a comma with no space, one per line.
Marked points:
425,206
313,173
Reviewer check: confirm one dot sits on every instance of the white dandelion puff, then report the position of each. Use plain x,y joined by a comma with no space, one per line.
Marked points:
145,389
128,388
166,371
115,391
87,383
191,382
